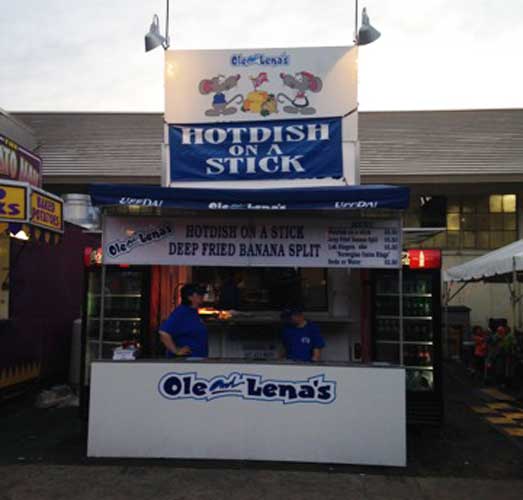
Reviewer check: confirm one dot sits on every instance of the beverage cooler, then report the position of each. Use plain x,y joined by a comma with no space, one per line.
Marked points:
125,318
419,349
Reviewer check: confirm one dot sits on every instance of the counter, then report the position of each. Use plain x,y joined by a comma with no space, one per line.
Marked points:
239,410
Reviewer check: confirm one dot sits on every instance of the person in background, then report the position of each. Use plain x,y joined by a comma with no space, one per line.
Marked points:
508,346
301,338
183,333
480,350
492,349
518,364
229,293
496,354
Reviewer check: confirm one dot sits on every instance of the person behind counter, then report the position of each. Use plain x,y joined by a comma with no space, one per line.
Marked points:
301,338
183,333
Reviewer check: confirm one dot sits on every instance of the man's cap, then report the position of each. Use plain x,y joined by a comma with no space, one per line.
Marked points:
291,311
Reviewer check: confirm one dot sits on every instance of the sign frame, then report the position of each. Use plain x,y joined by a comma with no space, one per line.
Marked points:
27,207
260,84
20,150
192,78
244,241
55,199
256,151
233,428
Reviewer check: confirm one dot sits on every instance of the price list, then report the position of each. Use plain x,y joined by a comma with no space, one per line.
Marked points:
365,244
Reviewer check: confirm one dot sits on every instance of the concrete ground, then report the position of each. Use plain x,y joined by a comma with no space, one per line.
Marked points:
42,456
172,483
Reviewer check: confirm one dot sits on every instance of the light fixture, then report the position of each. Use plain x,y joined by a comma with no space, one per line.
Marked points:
20,235
154,38
367,33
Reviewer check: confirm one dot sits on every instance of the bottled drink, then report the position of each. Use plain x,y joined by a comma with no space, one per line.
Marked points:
428,308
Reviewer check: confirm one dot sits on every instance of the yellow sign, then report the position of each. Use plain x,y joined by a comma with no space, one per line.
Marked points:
46,211
13,202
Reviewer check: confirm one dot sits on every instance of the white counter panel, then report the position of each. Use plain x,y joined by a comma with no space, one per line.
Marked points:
270,412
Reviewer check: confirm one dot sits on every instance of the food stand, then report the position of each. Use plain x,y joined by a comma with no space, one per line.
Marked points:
260,204
229,389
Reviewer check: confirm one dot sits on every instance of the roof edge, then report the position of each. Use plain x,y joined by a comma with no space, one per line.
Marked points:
160,112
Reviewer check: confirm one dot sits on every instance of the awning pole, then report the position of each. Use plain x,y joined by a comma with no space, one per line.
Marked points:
101,315
400,292
514,293
102,312
445,332
520,319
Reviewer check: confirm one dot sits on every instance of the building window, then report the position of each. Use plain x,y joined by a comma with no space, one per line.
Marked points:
483,222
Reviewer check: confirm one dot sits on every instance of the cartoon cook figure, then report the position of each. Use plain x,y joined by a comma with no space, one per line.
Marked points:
303,82
217,86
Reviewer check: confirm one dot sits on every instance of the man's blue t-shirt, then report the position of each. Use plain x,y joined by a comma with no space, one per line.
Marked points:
299,342
186,328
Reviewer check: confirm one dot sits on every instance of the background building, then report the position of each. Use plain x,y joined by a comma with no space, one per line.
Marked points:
464,168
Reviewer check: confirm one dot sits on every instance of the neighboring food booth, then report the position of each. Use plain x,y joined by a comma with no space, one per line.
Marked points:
29,216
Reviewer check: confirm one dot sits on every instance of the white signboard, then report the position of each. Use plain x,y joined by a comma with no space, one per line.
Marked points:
284,242
203,86
242,411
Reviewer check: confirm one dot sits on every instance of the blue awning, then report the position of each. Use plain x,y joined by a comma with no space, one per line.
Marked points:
361,197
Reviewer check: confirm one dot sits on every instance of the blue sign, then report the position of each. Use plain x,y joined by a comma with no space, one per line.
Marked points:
360,197
247,386
283,149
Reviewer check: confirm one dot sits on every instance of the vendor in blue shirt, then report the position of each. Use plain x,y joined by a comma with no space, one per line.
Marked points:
301,338
183,333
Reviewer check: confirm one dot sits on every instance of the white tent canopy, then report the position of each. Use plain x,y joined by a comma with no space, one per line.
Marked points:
504,261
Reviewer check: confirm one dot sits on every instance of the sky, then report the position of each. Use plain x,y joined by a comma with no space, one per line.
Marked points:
88,55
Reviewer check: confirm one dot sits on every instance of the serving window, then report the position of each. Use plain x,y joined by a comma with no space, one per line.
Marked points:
263,289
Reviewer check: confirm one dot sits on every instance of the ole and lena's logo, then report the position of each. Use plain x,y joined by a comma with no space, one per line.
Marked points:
247,386
137,239
218,205
260,59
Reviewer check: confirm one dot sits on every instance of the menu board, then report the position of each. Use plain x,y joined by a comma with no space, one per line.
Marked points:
366,243
250,241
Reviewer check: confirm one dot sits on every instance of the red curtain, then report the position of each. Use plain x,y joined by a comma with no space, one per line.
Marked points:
166,282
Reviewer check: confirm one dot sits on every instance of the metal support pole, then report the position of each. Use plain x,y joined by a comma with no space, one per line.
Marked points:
514,293
101,315
445,333
167,25
400,294
356,9
520,318
450,297
102,312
